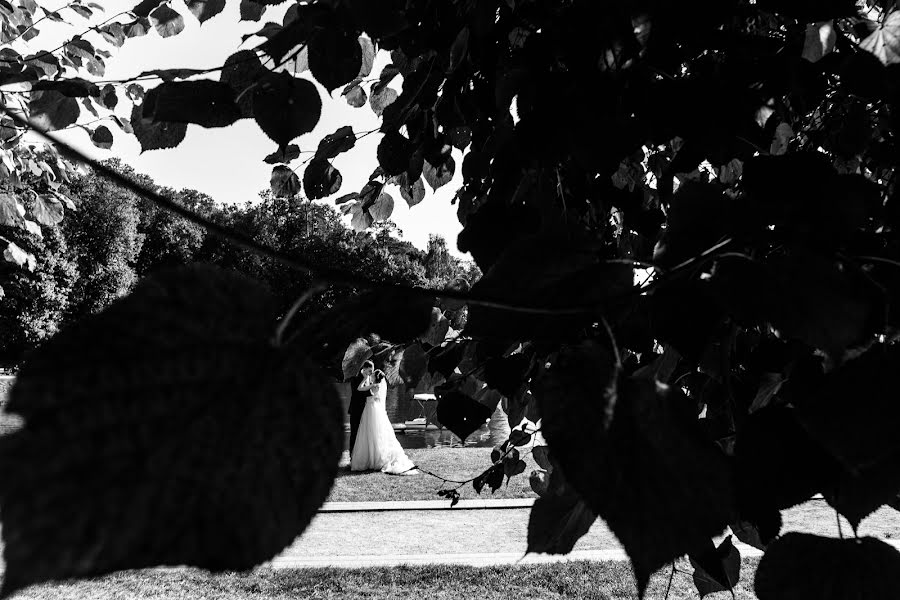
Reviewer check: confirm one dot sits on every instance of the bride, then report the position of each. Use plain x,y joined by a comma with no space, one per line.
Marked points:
376,445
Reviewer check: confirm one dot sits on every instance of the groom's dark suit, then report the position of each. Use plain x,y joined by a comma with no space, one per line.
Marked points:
357,404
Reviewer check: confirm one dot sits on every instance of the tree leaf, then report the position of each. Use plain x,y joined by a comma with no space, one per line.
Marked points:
413,194
357,353
884,42
383,207
19,257
801,565
650,460
114,33
320,179
11,210
459,412
285,155
251,10
394,152
342,140
167,21
367,51
75,87
458,50
558,518
820,39
438,176
361,218
205,9
506,375
145,7
241,71
51,110
347,198
355,96
248,416
137,28
438,327
205,103
284,182
716,569
285,107
102,137
381,99
335,57
156,136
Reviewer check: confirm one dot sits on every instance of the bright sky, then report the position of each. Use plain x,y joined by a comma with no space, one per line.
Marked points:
226,163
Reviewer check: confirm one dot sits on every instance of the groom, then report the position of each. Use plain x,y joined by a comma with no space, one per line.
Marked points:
357,404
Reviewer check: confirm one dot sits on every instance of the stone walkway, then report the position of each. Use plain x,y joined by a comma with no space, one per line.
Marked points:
475,532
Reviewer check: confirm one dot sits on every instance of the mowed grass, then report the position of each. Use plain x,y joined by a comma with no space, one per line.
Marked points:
452,582
457,464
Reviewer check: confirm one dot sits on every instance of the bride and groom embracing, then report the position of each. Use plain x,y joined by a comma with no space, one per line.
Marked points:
373,445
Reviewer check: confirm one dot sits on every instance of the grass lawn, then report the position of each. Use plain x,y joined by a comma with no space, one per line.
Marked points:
562,580
453,463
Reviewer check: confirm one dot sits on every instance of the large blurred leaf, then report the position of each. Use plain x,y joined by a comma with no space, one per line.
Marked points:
662,488
47,210
800,566
150,429
358,352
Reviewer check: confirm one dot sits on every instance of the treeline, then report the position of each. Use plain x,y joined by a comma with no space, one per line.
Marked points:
113,238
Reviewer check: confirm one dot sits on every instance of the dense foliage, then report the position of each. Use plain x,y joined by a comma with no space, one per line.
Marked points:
738,155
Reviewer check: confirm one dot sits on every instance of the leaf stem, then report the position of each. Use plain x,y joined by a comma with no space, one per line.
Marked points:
315,288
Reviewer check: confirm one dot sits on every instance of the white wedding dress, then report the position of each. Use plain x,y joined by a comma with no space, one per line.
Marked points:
376,446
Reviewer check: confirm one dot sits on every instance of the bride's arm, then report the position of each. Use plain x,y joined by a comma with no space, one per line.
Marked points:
366,384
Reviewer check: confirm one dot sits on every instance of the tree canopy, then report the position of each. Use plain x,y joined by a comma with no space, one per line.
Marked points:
687,219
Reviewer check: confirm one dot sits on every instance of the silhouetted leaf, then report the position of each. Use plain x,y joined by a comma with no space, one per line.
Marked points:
51,110
394,152
285,107
381,99
383,207
413,194
439,175
241,71
716,569
75,87
285,155
559,518
335,57
460,413
251,10
651,461
138,27
284,182
102,137
367,57
342,140
154,136
205,9
166,21
320,179
801,565
174,395
355,96
205,103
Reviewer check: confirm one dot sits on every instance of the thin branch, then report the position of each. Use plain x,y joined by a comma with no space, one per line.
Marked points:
612,342
671,577
47,13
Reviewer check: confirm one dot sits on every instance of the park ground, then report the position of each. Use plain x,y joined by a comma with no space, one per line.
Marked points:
372,536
